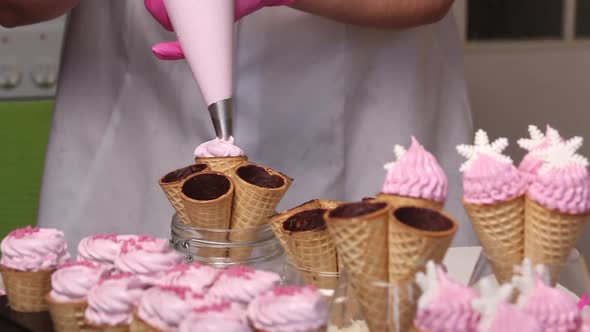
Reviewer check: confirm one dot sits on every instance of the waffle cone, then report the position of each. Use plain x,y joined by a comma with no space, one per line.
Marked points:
500,229
276,221
252,206
171,185
362,246
66,316
90,327
210,214
139,325
224,165
26,290
314,252
550,236
398,201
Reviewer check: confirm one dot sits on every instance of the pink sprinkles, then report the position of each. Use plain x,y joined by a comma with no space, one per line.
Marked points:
87,264
179,291
217,307
113,237
291,290
22,232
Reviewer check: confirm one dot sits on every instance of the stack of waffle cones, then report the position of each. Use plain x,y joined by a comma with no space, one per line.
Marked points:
225,195
26,290
303,233
382,246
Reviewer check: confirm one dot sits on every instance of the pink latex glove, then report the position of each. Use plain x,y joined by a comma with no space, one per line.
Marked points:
172,50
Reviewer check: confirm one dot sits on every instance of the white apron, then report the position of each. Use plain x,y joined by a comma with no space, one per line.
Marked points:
321,101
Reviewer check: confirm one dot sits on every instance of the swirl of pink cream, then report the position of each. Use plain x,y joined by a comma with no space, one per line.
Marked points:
510,319
445,306
222,316
242,284
166,307
218,148
100,248
195,276
289,309
147,256
416,174
112,300
72,281
34,249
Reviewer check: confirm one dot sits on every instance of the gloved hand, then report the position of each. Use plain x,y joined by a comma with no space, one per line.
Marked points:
172,50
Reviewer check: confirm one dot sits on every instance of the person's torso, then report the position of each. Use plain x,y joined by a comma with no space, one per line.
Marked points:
321,101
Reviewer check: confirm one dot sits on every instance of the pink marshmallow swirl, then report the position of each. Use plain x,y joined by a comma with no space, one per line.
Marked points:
242,284
147,256
73,280
218,148
416,174
445,306
554,309
195,276
509,319
565,189
111,301
490,180
100,248
585,323
289,309
223,316
34,249
166,307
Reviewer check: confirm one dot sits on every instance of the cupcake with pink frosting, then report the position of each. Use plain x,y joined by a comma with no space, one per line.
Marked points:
224,316
70,286
101,248
29,257
289,309
553,308
111,302
530,164
195,276
498,315
147,257
242,284
415,179
557,204
163,308
221,155
445,306
493,196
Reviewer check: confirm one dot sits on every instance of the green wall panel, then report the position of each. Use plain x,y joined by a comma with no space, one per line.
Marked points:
24,130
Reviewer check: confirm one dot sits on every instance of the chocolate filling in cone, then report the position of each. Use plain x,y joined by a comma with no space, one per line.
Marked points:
352,210
423,219
306,221
183,173
206,186
260,177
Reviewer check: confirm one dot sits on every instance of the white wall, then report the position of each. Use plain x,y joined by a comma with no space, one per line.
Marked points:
512,86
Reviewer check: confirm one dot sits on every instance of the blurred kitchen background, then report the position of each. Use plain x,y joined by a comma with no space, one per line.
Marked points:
527,62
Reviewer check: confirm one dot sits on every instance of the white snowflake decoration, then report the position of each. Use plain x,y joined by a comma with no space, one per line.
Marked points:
483,146
538,138
561,154
491,298
399,152
526,278
428,283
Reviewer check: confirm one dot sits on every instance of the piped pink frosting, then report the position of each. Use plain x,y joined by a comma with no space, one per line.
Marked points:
112,300
490,180
34,249
445,305
509,318
416,174
289,309
100,248
73,280
166,307
242,284
565,189
195,276
218,148
148,257
554,309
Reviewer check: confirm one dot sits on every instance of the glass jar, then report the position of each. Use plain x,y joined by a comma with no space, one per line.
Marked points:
256,247
325,282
